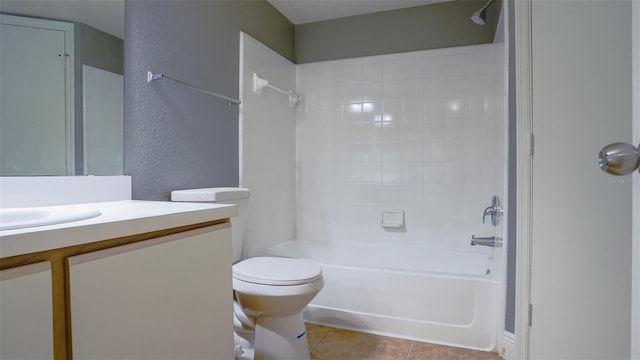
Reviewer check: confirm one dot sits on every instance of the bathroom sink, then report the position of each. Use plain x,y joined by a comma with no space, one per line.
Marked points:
18,218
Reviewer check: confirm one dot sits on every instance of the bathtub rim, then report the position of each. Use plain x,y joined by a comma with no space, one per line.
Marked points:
494,262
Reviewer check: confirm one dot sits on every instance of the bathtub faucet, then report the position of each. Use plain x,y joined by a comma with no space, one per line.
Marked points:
491,241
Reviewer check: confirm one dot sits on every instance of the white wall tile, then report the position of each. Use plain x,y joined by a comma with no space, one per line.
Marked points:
413,67
457,108
412,173
457,85
435,151
392,131
412,88
412,152
435,65
457,63
371,91
371,152
351,72
435,87
392,152
392,111
481,62
391,67
371,111
352,113
351,93
392,174
372,69
399,133
392,90
371,172
332,73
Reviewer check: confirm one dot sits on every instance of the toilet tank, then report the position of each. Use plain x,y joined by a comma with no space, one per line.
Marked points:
222,195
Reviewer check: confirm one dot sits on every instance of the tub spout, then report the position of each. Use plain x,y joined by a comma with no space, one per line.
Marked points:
491,241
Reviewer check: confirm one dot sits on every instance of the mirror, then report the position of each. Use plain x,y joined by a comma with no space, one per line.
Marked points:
61,110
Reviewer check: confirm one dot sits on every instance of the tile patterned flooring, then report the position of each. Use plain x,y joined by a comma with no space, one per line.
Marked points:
327,343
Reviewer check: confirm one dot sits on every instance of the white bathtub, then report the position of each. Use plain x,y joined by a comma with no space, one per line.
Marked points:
433,295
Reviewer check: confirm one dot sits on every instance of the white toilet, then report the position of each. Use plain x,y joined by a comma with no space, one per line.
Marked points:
269,292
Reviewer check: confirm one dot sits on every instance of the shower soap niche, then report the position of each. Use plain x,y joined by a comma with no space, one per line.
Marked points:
392,218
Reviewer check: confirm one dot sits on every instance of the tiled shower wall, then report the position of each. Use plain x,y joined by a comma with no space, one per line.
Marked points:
267,148
423,132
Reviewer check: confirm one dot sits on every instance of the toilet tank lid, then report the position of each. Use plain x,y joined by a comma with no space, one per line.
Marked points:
210,194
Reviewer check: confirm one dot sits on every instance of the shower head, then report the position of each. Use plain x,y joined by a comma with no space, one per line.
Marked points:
479,17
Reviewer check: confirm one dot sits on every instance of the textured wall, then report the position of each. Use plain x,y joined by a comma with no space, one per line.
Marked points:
177,138
417,28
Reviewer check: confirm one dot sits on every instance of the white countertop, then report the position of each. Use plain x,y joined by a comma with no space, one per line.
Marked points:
118,219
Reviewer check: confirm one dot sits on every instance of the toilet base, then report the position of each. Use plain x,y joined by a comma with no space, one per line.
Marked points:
281,338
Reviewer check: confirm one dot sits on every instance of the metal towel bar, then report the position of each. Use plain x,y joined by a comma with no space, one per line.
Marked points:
151,77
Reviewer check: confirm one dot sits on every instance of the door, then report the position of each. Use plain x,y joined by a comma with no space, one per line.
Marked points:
164,298
102,109
26,312
35,118
581,244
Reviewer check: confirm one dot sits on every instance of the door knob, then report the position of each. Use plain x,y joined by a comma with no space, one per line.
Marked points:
619,159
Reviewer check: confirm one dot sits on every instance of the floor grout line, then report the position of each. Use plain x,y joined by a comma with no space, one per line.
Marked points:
321,339
409,351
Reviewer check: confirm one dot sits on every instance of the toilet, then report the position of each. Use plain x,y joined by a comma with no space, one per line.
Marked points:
269,292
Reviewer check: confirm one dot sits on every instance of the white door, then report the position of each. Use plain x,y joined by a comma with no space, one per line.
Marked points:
102,114
33,101
26,312
581,244
164,298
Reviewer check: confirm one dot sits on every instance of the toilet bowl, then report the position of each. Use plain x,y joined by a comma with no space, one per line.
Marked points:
270,293
274,291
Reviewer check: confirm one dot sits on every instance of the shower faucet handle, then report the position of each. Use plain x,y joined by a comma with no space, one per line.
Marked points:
489,210
494,210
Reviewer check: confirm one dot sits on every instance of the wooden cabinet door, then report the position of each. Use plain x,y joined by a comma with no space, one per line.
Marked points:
26,319
165,298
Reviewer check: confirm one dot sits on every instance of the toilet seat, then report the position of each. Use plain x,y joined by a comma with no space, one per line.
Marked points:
276,271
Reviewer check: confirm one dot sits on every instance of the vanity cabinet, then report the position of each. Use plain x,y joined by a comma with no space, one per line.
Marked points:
165,293
168,297
26,321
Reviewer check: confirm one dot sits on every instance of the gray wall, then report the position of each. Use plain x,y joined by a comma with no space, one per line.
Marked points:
417,28
177,138
100,50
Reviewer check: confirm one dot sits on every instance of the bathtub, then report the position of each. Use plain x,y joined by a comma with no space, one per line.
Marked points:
432,295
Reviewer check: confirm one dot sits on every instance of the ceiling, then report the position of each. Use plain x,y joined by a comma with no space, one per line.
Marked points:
305,11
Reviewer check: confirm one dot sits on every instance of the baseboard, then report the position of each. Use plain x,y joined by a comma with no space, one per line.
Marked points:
508,349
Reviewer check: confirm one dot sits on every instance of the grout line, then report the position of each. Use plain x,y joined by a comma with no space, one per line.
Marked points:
409,351
321,339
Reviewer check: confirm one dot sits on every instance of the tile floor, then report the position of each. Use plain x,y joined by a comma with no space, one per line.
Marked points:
327,343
